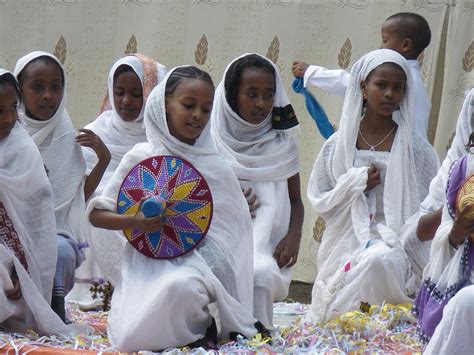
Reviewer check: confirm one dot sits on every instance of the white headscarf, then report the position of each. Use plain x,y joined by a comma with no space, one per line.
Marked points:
55,139
118,135
401,197
255,151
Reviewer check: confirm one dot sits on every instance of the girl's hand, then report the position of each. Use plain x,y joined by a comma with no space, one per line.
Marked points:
373,178
463,226
15,293
147,225
251,201
286,252
299,68
87,138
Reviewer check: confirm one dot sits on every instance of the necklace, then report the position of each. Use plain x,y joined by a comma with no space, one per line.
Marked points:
372,147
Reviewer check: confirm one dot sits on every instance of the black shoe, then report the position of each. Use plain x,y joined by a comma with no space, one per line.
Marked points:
58,306
266,333
209,340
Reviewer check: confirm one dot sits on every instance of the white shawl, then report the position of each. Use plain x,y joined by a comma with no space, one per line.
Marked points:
230,233
63,158
443,267
255,151
418,251
336,187
118,135
27,234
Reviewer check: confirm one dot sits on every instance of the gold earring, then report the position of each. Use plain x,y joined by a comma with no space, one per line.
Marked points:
364,95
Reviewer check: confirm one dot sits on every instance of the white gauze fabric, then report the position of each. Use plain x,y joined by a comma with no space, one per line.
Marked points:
119,136
181,289
443,266
255,152
263,158
27,235
418,251
336,192
62,156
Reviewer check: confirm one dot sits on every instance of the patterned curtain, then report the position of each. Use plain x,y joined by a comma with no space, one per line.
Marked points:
88,36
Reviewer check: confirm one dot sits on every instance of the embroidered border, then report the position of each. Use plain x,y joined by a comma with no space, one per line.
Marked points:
12,241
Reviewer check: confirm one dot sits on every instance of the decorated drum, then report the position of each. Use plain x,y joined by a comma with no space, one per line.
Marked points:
187,199
465,196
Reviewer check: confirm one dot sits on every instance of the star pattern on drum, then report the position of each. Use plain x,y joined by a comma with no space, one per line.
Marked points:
188,211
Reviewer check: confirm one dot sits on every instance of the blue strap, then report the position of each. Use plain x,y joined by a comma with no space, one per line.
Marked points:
314,108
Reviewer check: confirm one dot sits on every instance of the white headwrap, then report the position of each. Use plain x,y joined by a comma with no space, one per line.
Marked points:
27,232
55,139
118,135
255,152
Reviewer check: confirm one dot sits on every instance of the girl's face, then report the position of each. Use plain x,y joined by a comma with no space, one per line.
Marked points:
188,109
42,87
255,95
128,95
384,87
8,109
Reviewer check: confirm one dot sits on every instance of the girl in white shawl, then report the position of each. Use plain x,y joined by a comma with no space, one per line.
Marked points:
251,119
445,303
166,302
120,126
421,228
27,228
366,183
42,81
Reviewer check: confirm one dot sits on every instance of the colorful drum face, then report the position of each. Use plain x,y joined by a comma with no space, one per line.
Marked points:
188,198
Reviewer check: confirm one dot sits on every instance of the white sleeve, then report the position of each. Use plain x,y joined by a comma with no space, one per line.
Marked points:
334,81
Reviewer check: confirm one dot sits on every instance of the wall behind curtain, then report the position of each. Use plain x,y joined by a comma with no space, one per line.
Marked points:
88,36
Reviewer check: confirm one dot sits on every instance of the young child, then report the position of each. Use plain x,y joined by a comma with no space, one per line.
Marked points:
405,32
42,81
27,228
366,184
445,303
180,290
421,228
251,118
120,126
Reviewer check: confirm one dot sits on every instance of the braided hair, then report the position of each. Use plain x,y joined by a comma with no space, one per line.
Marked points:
181,73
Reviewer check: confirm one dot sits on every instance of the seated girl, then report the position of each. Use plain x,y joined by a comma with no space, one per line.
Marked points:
445,303
27,229
166,302
42,81
120,126
421,228
368,179
252,117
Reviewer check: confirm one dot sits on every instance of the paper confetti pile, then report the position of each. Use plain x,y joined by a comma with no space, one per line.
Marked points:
386,329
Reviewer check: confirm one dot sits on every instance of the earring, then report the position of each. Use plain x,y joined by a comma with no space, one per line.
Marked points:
364,95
